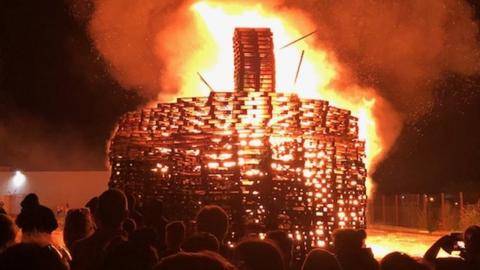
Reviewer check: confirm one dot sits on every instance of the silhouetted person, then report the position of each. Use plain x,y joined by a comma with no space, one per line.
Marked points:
195,261
2,209
78,225
472,246
470,255
92,205
34,217
136,254
154,218
8,232
133,212
320,259
285,244
174,237
200,242
147,236
258,255
349,247
89,253
400,261
30,200
213,219
129,226
37,223
30,256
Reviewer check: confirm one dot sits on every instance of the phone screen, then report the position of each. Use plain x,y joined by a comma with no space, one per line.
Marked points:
460,245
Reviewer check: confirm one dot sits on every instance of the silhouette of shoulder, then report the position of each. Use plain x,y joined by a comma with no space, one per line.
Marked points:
90,252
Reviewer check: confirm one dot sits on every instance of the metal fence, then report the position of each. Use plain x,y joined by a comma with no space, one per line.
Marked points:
443,211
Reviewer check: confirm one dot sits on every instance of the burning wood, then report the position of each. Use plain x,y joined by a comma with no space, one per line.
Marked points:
272,160
298,67
298,39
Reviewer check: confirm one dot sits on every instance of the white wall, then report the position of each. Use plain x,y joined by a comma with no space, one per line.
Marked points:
53,188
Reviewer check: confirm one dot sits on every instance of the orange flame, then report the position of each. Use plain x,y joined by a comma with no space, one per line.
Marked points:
211,54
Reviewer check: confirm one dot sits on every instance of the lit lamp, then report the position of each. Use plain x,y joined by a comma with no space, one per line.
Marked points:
18,180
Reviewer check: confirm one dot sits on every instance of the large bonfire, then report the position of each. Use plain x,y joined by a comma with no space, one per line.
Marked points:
274,160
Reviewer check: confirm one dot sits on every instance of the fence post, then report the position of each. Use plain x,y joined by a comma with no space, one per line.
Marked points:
417,209
383,210
461,203
371,210
442,211
397,212
425,209
417,196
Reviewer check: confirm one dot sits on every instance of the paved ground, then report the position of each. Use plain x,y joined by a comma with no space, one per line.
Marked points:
382,240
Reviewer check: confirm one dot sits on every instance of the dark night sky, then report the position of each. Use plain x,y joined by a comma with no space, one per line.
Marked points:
58,105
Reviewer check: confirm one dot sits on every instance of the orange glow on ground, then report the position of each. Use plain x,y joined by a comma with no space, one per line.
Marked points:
380,241
413,243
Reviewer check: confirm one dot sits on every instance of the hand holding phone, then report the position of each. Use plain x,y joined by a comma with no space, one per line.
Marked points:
458,241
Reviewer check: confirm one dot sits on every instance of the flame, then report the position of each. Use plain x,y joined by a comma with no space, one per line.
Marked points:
214,25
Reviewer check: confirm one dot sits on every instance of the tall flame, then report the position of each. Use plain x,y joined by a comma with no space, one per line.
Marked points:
320,77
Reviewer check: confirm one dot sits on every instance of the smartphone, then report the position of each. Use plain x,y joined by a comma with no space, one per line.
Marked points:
458,242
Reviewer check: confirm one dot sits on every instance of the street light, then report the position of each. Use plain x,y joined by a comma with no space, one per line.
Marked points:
19,179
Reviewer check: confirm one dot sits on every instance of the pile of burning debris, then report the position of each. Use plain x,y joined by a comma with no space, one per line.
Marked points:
272,160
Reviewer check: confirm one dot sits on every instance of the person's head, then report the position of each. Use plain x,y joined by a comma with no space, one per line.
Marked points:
153,212
201,241
8,232
129,226
32,256
112,209
281,239
31,200
472,241
254,254
345,240
78,224
132,202
399,261
92,205
36,219
212,219
174,234
191,261
320,259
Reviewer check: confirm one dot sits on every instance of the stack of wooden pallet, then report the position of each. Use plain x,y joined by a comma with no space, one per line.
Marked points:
272,160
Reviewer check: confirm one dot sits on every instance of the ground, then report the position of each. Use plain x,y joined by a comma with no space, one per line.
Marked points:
382,240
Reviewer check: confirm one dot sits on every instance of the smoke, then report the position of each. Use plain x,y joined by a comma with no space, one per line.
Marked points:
30,143
124,33
402,48
397,50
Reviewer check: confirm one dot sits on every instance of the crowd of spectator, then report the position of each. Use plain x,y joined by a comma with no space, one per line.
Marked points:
111,232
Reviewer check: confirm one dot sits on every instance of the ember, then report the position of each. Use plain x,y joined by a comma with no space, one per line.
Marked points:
273,160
